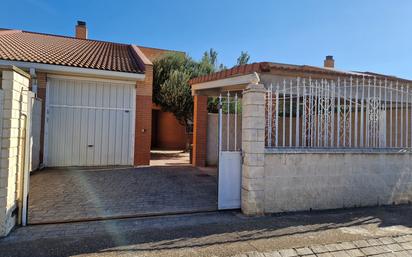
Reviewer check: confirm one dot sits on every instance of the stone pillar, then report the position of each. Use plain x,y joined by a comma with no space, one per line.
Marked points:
253,146
13,104
199,131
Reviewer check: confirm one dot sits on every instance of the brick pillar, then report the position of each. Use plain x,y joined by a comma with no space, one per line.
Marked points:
199,131
253,146
143,127
143,130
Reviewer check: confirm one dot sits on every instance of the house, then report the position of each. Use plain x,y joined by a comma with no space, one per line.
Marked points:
97,96
311,138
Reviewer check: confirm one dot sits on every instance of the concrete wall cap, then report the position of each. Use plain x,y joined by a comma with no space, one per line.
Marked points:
15,69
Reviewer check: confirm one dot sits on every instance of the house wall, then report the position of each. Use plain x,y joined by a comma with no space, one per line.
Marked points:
199,130
143,127
169,133
305,181
13,105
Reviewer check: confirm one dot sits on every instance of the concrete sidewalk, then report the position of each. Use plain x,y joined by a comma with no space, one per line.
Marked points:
222,234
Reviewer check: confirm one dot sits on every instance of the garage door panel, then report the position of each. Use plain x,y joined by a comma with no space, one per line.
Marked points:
105,136
90,143
89,123
98,138
111,137
126,136
68,134
76,131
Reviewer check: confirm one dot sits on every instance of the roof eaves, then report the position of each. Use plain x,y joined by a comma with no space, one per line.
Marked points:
161,49
140,57
63,69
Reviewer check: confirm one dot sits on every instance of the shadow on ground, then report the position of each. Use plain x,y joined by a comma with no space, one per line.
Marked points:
223,234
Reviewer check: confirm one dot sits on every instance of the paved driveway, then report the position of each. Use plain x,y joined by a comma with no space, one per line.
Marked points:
63,195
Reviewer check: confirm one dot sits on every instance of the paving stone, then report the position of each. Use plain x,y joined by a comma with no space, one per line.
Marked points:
402,254
402,239
273,254
406,245
355,253
373,250
255,254
334,247
347,245
374,242
324,255
340,254
288,253
361,243
386,240
318,249
394,247
304,251
66,195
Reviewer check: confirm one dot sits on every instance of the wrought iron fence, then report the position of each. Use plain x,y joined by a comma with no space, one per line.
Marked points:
229,122
364,113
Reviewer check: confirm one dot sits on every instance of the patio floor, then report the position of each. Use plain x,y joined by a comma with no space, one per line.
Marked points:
73,194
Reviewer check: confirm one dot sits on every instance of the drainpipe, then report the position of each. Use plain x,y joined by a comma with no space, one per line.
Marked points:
27,159
22,179
33,80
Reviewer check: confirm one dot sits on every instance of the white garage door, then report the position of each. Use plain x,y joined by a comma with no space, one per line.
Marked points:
89,123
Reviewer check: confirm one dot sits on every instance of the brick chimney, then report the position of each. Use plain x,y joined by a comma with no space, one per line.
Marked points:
81,30
329,62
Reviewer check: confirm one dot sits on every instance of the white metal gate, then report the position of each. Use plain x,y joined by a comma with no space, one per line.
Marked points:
89,122
230,155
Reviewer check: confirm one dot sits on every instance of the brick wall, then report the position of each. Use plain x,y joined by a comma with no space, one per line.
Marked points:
143,127
13,104
143,130
41,93
199,131
170,134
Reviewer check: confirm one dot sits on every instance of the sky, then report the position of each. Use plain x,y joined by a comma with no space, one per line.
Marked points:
362,35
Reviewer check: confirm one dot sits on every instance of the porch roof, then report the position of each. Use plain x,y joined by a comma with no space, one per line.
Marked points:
287,70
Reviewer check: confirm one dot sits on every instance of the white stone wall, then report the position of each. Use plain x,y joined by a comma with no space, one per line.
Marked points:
14,89
274,182
304,181
253,146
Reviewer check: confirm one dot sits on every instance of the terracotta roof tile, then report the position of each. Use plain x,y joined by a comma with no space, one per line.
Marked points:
263,67
16,45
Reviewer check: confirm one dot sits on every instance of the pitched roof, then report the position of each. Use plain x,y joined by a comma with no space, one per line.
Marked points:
17,45
267,67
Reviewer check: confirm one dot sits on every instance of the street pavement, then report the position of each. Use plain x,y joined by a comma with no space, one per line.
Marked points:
380,231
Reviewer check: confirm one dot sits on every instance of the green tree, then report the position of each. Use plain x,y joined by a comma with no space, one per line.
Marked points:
171,89
210,57
243,58
177,96
162,68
